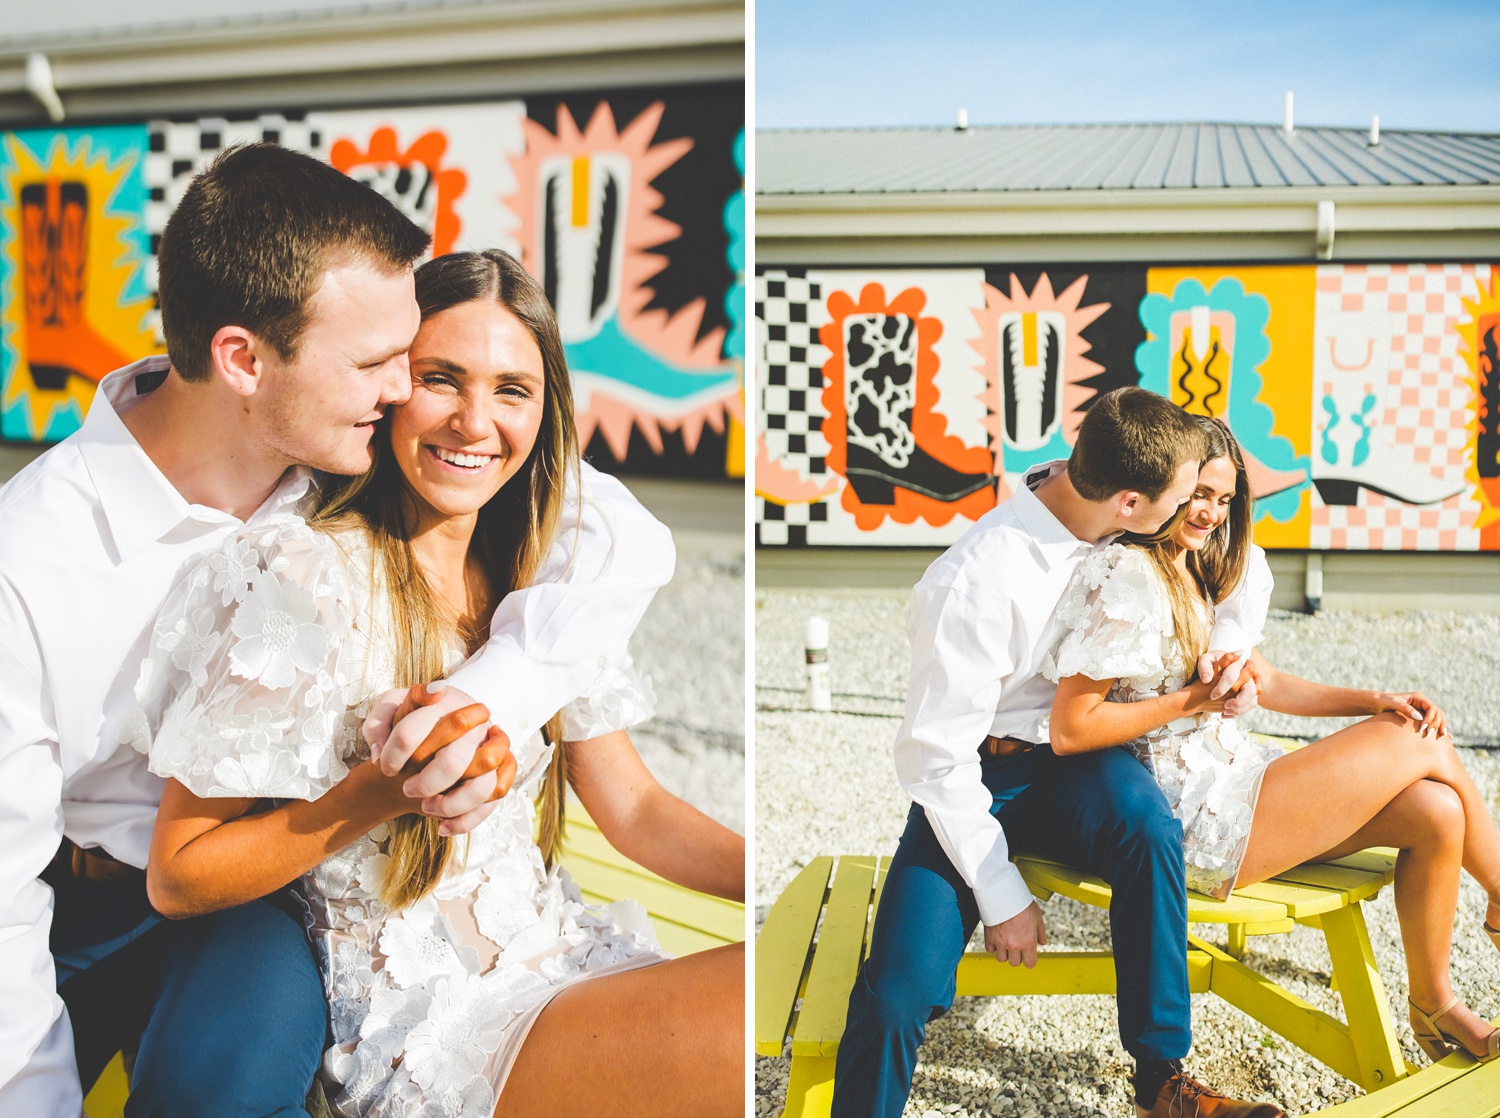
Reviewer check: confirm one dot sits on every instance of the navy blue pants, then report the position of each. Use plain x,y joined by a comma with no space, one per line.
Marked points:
227,1010
1100,812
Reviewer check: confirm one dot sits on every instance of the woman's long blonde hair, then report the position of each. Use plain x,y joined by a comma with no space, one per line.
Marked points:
515,529
1219,565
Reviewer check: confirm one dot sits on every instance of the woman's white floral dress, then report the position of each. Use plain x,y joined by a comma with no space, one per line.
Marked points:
262,667
1117,624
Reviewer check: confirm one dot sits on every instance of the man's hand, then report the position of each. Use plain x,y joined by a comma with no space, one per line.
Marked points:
1233,681
1015,940
458,764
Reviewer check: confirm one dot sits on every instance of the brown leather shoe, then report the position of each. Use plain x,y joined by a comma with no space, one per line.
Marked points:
1184,1097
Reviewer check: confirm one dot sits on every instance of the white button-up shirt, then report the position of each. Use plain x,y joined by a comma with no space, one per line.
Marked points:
92,537
980,622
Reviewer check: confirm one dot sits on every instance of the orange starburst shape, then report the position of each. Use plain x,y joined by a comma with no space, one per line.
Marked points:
1076,367
428,151
928,426
1479,340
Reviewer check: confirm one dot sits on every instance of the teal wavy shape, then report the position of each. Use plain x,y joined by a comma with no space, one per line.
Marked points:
1249,418
734,225
614,354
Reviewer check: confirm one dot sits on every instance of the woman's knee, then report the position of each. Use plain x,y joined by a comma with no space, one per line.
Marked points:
1433,811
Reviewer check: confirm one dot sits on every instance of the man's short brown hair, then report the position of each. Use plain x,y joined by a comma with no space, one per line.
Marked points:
1132,439
250,241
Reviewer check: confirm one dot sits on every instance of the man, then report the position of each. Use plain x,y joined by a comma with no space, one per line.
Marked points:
972,754
288,307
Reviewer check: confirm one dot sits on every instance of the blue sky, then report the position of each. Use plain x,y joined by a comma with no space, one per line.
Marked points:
1432,64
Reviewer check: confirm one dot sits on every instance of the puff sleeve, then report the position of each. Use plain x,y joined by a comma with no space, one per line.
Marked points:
1115,621
619,699
252,670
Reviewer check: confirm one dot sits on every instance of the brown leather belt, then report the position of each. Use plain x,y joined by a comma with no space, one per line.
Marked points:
91,864
1005,747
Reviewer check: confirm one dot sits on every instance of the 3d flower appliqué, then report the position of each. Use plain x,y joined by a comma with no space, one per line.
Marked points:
191,642
464,1025
279,633
233,566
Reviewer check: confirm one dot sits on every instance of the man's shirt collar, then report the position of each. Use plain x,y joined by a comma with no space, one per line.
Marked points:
138,502
1054,543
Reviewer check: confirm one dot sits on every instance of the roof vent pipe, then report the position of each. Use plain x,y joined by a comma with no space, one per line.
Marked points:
963,120
39,84
1286,119
1375,130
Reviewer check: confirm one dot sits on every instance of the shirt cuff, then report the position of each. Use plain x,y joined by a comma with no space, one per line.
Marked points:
503,679
1230,637
1002,899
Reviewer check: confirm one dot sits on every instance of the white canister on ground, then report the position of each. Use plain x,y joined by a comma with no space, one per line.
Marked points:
819,691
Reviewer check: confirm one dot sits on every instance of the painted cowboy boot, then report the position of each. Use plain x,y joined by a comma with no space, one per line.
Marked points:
880,396
1202,368
1356,383
583,229
54,246
1031,368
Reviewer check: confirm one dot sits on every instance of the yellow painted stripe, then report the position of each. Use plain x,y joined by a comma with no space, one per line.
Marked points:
580,191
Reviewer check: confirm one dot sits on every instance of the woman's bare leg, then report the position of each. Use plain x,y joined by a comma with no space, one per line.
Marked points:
1307,809
660,1041
1323,793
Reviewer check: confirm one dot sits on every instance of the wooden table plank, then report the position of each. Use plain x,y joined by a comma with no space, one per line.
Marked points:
1356,884
722,918
1300,900
782,952
840,943
1085,887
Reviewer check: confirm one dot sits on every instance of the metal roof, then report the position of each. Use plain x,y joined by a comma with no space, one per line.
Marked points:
1112,157
82,23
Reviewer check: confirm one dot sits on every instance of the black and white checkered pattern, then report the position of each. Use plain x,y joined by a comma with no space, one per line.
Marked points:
178,150
790,309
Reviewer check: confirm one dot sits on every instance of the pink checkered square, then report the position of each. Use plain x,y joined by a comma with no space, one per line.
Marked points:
1426,404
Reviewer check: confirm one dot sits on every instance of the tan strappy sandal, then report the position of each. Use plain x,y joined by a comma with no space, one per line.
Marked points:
1437,1043
1494,936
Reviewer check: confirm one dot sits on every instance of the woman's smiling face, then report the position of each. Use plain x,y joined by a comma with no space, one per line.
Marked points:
478,389
1209,505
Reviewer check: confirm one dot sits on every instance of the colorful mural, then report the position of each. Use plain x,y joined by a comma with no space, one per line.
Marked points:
1366,397
73,300
629,207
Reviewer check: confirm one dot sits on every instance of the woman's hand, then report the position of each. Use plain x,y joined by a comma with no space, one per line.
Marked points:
1201,700
1416,706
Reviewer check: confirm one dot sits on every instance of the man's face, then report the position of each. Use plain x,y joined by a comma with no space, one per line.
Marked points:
1145,517
320,409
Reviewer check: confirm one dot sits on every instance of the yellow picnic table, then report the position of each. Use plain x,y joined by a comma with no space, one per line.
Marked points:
817,933
685,922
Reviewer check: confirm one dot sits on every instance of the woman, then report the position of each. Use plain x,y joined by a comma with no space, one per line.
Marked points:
453,967
1138,616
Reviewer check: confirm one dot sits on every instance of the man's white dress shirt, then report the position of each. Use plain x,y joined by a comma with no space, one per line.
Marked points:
92,537
980,623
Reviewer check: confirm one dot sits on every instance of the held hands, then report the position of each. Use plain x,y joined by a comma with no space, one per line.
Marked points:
1015,941
1230,677
1416,706
443,746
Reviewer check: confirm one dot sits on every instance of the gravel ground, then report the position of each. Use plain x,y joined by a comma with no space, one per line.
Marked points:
825,784
691,644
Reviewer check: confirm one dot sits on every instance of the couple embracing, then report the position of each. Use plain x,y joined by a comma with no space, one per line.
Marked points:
1078,658
240,835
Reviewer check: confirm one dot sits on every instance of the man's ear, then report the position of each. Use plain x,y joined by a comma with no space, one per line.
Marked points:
1129,500
232,353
